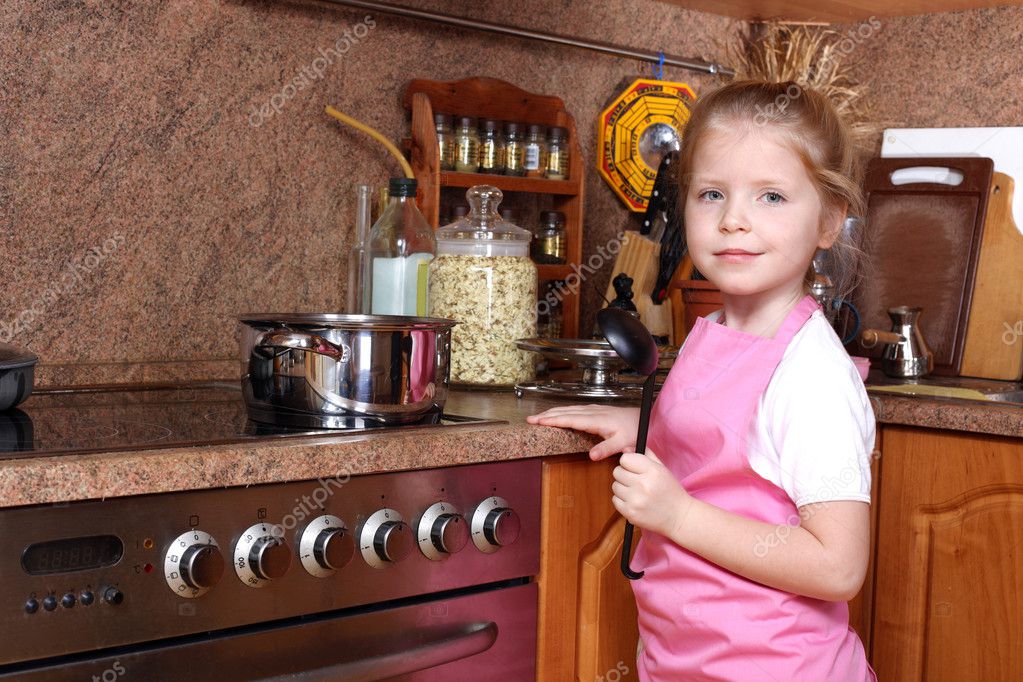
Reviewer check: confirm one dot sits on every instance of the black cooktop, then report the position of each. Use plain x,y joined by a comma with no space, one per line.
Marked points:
104,419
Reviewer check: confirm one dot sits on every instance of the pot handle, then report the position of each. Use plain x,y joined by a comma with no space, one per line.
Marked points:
291,338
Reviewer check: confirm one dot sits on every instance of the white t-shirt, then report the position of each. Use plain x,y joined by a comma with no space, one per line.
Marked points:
813,431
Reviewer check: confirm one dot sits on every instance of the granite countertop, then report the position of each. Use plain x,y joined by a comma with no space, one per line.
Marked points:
65,478
58,479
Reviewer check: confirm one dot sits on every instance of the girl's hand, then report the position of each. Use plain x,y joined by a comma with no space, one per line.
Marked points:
616,425
648,494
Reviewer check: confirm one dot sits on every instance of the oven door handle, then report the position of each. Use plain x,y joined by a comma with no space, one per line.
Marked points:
412,651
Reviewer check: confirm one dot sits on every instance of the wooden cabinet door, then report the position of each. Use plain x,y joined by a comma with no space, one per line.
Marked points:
587,621
949,585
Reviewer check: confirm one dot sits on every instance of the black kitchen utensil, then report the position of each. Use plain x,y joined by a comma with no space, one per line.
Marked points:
664,222
17,375
634,344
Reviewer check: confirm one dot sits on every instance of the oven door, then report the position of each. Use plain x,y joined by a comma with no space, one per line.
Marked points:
487,634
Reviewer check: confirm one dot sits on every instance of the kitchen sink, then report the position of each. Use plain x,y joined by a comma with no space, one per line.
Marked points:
956,388
1013,396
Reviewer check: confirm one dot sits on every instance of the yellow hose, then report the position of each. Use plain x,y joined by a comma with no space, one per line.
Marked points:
331,111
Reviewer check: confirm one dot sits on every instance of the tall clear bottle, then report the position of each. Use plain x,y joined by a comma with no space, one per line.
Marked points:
356,302
398,253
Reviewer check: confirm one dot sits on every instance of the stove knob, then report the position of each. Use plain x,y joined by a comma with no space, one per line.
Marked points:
494,525
326,546
193,564
270,558
442,531
385,538
261,555
111,595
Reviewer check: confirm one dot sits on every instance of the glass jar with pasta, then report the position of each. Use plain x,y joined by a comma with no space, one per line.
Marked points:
484,279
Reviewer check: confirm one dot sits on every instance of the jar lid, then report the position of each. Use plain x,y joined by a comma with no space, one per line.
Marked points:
552,217
535,129
490,124
512,127
557,133
467,122
442,119
483,232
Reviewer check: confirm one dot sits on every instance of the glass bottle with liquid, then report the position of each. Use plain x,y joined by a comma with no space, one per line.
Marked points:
398,254
355,302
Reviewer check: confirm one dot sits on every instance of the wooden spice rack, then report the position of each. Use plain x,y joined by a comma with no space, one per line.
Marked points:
502,101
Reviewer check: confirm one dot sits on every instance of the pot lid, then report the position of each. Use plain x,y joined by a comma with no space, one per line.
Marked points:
340,321
12,357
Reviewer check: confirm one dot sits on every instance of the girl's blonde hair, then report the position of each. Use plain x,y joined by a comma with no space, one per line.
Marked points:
817,135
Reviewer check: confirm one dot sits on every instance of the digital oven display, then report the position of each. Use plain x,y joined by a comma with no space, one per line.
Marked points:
72,554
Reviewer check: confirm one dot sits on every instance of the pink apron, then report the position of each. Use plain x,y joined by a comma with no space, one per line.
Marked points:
698,621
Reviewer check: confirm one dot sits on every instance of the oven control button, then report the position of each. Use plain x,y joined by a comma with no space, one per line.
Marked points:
32,605
112,596
442,531
68,601
193,564
86,598
385,538
326,546
49,602
494,525
261,555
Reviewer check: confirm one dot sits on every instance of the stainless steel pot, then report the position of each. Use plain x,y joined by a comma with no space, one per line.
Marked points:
17,375
323,370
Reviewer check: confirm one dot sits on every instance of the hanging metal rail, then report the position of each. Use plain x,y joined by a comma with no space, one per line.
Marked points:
596,46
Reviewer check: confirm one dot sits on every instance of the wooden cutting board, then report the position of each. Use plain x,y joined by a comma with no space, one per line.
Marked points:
639,258
923,242
994,349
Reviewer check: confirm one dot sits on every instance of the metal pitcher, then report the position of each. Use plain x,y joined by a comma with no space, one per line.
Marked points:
906,354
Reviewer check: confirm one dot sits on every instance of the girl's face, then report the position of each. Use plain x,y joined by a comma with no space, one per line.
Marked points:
752,214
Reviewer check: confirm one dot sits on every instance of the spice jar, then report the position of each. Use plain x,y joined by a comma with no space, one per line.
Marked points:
445,141
550,315
536,151
556,167
484,279
514,149
549,244
491,147
509,214
467,146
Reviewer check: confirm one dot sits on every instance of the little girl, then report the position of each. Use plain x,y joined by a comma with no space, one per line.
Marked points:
754,493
